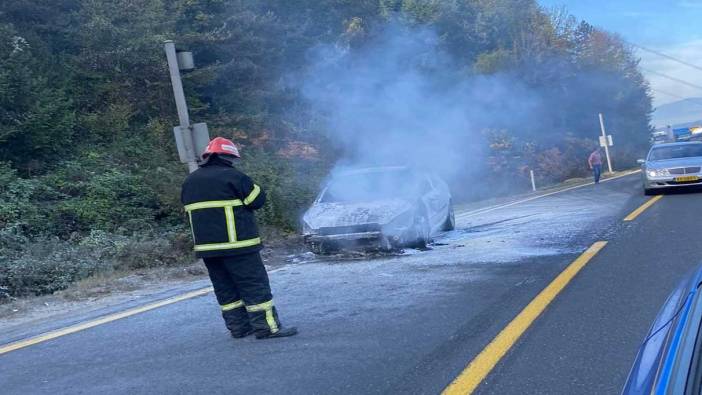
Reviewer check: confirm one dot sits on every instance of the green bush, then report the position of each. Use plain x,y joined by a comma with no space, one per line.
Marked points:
111,200
96,193
290,188
50,264
47,266
17,209
168,247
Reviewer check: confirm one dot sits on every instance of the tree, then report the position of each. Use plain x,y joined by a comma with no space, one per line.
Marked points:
36,115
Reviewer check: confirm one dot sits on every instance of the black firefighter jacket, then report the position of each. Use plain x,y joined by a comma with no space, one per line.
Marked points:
220,202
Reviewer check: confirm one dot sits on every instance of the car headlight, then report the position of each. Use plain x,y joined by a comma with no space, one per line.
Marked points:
658,173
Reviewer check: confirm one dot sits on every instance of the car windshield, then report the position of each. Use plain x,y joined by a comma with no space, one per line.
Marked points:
675,152
371,186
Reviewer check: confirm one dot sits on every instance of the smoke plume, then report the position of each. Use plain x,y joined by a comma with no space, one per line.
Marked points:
402,100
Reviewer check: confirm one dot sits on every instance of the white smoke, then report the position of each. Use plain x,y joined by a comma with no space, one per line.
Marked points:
401,99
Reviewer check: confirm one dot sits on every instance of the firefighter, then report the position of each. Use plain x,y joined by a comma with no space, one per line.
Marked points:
220,202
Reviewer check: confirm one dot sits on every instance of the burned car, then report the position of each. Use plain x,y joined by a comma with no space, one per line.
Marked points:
383,208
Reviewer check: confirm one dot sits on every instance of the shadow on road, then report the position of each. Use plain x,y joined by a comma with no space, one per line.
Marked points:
680,191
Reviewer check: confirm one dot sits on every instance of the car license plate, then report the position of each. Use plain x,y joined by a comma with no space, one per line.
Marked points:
687,178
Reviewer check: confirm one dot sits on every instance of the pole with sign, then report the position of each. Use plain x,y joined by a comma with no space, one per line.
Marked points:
606,142
190,139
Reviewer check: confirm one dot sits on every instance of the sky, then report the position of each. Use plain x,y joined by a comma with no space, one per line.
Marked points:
673,27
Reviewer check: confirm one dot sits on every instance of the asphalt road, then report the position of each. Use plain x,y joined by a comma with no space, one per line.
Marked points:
411,323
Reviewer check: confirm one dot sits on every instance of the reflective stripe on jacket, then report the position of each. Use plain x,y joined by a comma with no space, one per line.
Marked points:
220,203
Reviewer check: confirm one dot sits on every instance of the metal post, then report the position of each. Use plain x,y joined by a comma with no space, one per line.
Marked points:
533,183
178,93
604,134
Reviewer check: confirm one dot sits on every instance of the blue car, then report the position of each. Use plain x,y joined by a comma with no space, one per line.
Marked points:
669,360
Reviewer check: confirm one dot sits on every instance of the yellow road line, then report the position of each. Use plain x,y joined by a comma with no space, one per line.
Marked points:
480,367
99,321
642,208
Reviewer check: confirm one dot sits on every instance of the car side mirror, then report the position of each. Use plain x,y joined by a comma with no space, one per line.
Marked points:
640,161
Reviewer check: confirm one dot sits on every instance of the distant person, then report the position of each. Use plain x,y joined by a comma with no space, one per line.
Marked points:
595,162
220,202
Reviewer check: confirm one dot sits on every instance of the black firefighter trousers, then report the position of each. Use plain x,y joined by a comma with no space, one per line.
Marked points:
244,294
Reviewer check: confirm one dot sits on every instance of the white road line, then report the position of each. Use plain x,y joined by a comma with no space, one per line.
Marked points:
493,208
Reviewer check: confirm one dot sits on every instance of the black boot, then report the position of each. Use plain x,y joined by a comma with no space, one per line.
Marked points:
282,332
237,322
238,334
264,319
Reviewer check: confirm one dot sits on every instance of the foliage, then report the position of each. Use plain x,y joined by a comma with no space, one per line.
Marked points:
36,114
52,264
289,187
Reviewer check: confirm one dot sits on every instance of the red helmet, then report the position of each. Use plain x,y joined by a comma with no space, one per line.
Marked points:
222,146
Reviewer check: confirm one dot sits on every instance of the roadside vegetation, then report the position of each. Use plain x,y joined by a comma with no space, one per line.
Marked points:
89,176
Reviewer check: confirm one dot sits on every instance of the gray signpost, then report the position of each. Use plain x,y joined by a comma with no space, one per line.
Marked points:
191,140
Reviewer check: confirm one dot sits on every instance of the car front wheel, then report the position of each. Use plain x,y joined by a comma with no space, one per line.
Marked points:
420,231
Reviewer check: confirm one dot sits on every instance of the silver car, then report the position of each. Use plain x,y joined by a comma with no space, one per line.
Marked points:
672,165
382,208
